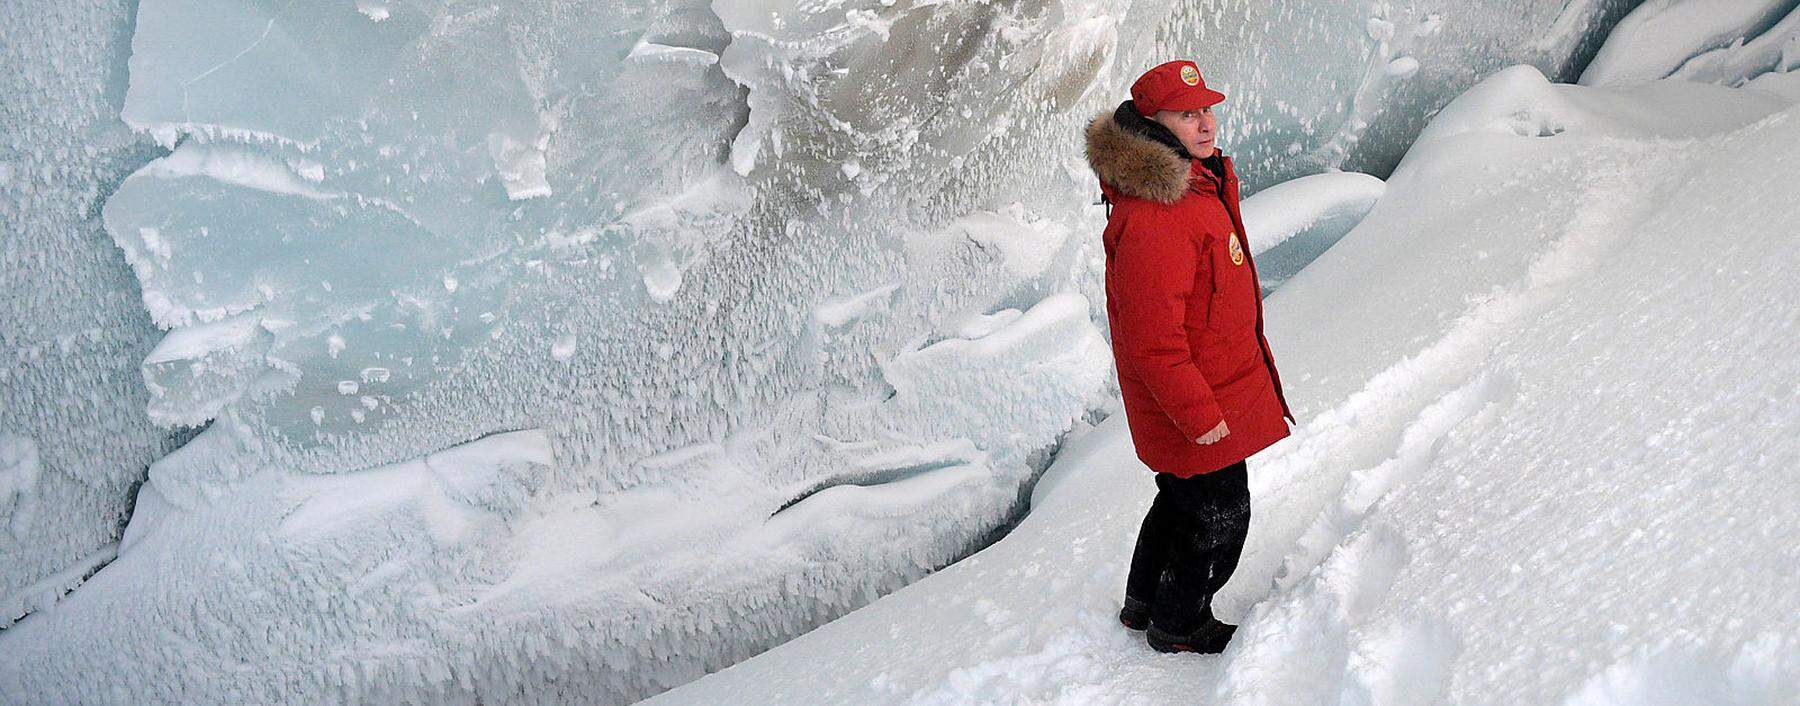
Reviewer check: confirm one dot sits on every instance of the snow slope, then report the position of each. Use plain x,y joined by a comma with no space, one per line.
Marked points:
1547,393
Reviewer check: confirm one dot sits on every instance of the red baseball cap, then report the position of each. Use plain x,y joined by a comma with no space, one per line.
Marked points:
1175,85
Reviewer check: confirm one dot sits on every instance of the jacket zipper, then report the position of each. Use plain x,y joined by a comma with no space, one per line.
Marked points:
1219,184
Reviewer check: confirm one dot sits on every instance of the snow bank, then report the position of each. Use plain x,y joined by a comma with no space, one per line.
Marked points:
1659,37
1533,465
1785,85
1285,210
1777,50
1292,222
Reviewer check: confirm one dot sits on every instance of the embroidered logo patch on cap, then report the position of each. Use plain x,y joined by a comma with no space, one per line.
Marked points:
1190,75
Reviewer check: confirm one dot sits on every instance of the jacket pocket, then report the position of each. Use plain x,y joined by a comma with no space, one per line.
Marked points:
1216,286
1234,291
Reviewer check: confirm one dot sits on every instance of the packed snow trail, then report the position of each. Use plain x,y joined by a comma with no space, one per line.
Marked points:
1547,393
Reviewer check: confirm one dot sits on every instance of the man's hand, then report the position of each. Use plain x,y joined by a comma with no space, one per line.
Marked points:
1216,434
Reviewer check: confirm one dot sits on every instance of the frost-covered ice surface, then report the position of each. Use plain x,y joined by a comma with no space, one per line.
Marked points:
74,441
438,196
1546,393
797,296
468,574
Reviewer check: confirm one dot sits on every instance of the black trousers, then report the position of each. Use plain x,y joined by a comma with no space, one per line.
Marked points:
1189,545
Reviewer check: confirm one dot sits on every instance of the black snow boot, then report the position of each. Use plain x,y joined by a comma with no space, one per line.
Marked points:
1209,639
1136,614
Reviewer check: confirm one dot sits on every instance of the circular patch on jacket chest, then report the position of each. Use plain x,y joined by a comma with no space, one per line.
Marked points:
1237,251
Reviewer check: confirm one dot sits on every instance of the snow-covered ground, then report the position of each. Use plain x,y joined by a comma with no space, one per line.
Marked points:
1548,393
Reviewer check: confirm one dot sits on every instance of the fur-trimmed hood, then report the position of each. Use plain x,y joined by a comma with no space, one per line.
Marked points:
1138,157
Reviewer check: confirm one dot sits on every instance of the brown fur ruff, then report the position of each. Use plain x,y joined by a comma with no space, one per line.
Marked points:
1134,164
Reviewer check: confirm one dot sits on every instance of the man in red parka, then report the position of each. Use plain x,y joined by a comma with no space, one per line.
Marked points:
1200,387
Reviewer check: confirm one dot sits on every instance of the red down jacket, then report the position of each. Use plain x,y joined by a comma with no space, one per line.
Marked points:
1183,303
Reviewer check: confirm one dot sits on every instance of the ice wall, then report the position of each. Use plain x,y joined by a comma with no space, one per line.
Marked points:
445,207
797,297
74,442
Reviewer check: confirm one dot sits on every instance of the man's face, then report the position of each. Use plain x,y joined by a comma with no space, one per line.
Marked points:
1195,128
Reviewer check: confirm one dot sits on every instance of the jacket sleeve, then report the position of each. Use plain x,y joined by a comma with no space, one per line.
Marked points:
1154,273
